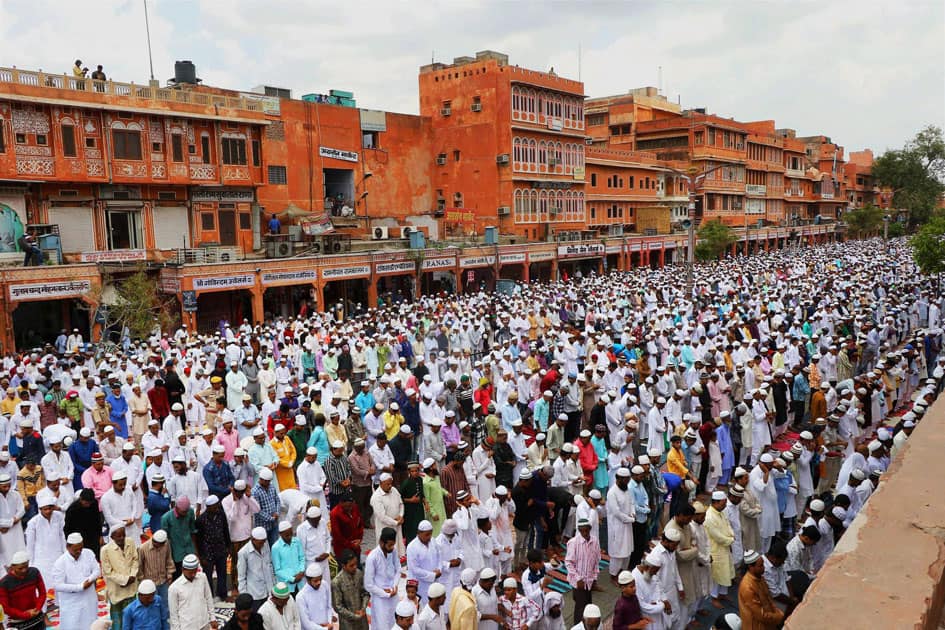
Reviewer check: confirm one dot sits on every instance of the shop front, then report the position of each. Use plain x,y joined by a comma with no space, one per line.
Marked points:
579,260
38,309
513,266
541,266
396,281
477,273
347,286
223,299
438,276
289,293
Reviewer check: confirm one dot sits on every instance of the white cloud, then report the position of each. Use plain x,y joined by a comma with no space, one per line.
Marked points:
866,73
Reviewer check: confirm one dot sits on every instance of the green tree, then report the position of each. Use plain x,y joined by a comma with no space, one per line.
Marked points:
864,222
139,307
714,239
916,173
928,246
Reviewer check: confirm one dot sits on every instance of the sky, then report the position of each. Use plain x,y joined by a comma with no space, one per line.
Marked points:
865,73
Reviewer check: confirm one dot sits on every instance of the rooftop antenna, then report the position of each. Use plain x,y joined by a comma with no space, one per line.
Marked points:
147,30
659,80
579,61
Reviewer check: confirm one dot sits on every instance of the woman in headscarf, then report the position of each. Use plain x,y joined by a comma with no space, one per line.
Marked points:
84,517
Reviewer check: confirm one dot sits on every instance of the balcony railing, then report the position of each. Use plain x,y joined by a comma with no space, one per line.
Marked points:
202,255
130,90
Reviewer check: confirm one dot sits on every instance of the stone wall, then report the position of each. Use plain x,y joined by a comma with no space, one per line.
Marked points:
889,569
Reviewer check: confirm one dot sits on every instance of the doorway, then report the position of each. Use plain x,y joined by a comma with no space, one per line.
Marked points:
227,218
124,229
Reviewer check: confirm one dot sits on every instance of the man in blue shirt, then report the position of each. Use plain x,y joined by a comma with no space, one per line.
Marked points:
218,474
145,612
288,557
119,411
274,225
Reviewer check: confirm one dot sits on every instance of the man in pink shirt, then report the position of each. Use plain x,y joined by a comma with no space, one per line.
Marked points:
98,477
228,437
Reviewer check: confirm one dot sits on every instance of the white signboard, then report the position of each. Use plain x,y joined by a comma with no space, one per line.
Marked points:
585,250
438,263
540,256
635,247
396,267
654,245
289,277
337,273
49,290
220,194
224,282
477,261
120,255
511,258
614,249
338,154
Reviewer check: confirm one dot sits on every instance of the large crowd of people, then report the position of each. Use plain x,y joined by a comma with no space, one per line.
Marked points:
704,451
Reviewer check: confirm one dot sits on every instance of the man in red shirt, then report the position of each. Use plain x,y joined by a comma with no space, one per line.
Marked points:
347,528
23,594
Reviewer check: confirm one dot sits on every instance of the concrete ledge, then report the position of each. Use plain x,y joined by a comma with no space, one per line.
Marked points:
889,569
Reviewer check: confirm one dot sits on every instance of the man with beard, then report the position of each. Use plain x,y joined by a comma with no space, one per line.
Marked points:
621,517
453,479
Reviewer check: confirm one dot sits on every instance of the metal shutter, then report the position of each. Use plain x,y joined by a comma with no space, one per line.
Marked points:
75,228
171,227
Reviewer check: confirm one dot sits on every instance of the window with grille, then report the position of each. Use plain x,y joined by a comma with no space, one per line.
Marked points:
277,175
68,141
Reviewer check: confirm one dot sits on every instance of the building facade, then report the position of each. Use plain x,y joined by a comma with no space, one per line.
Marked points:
184,179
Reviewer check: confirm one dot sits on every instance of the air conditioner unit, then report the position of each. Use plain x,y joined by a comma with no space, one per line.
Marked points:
476,107
502,159
282,249
441,160
504,211
554,211
446,111
589,141
380,233
552,162
404,231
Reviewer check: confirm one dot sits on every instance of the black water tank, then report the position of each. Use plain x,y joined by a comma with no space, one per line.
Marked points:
185,72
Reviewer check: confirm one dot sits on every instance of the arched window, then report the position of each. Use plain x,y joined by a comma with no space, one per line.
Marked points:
559,159
517,204
517,154
532,155
543,156
533,207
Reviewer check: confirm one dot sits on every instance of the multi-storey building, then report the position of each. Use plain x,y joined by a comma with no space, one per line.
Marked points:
508,146
184,178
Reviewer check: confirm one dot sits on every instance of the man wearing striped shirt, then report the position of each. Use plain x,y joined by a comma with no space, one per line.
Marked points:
583,563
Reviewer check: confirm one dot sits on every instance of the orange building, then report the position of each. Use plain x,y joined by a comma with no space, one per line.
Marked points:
508,147
184,178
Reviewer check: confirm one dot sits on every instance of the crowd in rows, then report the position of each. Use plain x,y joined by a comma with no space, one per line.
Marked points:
497,452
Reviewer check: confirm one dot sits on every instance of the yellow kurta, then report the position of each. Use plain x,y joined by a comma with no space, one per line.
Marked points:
721,537
117,566
336,432
285,471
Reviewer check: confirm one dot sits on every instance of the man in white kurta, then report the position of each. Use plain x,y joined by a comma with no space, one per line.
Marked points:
423,559
501,510
73,578
236,382
45,537
381,575
57,464
121,506
388,508
189,598
650,595
280,611
316,542
312,478
762,485
450,547
621,513
11,517
668,575
314,600
185,482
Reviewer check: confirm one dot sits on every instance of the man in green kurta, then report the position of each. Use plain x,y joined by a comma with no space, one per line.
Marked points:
299,434
411,491
435,494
